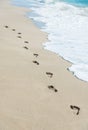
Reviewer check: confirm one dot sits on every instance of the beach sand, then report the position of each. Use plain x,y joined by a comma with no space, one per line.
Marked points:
36,89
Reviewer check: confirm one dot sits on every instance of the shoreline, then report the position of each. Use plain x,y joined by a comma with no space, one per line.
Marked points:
39,25
36,89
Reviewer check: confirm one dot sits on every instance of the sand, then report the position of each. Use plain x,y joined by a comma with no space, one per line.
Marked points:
30,98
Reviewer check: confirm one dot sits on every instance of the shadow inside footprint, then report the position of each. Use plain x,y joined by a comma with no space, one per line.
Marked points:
25,47
37,63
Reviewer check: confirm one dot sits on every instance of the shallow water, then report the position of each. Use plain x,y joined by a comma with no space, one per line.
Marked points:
66,22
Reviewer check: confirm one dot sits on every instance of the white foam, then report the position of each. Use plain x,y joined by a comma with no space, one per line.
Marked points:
67,27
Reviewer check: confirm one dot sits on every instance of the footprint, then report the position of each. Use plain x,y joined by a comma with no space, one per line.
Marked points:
13,29
26,47
6,26
37,63
49,74
19,33
19,36
75,108
53,88
26,42
36,55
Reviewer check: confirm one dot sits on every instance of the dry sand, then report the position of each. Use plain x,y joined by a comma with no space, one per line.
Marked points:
27,101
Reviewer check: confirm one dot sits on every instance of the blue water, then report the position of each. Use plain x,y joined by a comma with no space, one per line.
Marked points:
66,22
77,2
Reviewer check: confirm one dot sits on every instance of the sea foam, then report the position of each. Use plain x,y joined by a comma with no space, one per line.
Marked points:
67,28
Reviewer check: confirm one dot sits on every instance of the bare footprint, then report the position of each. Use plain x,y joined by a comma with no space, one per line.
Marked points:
26,42
13,29
55,90
37,63
19,33
75,108
49,74
36,55
6,26
19,36
52,88
26,47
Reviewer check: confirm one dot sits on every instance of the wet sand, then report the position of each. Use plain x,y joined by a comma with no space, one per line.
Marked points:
36,89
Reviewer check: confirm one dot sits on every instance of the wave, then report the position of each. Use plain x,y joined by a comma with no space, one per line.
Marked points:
67,28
